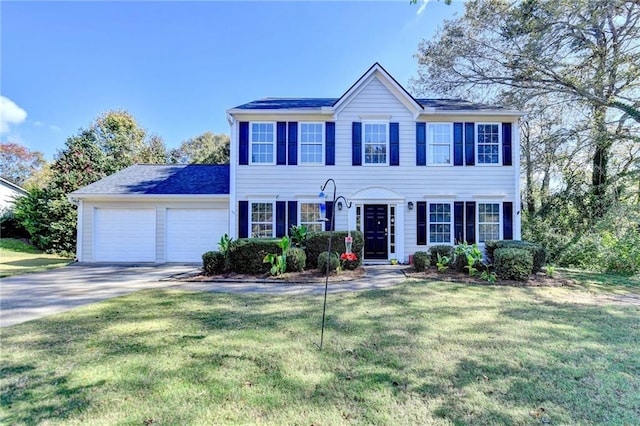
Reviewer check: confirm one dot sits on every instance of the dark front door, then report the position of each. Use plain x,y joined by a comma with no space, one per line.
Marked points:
375,231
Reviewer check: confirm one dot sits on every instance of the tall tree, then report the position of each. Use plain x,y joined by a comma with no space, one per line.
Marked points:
18,163
208,148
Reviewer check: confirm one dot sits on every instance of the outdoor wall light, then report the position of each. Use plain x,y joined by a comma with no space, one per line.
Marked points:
410,205
339,205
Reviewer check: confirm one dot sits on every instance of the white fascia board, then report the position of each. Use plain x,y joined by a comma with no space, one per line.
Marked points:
149,197
431,112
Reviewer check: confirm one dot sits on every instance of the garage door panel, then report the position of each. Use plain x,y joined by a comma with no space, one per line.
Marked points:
125,235
192,232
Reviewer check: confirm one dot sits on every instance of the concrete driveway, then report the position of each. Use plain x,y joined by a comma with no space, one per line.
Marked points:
31,296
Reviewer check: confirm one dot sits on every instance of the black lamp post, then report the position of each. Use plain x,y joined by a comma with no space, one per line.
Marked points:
331,226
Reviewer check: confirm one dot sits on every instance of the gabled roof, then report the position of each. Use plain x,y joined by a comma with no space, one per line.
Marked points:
147,179
13,186
288,103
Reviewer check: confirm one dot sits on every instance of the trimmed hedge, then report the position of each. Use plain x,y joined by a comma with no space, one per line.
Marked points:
334,262
213,263
537,251
246,255
421,260
513,263
296,259
442,250
318,242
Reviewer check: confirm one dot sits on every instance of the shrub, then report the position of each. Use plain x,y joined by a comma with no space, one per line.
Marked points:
467,257
513,263
318,242
334,262
296,259
246,255
349,261
537,251
441,249
421,260
213,263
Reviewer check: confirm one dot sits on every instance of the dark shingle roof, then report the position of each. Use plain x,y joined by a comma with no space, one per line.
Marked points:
317,103
202,179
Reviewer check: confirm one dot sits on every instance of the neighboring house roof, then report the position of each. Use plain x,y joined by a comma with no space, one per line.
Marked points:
13,186
376,70
148,179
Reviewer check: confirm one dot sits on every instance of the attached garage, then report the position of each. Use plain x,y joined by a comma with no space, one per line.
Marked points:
153,213
191,232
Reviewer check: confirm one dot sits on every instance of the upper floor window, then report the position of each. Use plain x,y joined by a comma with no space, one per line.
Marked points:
311,216
488,222
439,143
311,143
262,138
262,220
375,143
440,220
488,137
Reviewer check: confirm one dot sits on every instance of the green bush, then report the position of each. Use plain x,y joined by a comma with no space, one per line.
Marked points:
213,263
296,259
443,250
537,251
513,263
246,255
334,262
318,243
421,260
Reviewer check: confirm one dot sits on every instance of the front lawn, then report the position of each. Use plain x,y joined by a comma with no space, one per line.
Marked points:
17,257
419,353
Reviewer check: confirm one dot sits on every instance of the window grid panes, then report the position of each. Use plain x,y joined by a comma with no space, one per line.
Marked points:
488,143
375,143
439,140
439,223
311,143
310,216
488,222
261,220
262,142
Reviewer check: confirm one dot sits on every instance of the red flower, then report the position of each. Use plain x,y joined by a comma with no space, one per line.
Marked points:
348,256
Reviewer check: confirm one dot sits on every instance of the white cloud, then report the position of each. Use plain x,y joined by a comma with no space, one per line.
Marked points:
10,114
422,7
54,128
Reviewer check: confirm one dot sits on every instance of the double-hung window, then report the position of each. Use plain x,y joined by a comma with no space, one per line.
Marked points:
375,142
262,220
262,137
488,222
311,216
488,143
311,143
439,143
440,223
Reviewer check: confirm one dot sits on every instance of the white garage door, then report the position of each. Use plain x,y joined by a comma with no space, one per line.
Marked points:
191,232
125,235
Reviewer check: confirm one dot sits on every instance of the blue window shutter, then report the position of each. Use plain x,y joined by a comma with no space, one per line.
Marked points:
292,214
330,143
421,144
281,218
507,220
356,144
281,143
458,222
470,236
293,143
243,219
327,224
243,146
469,144
421,218
394,144
458,146
506,144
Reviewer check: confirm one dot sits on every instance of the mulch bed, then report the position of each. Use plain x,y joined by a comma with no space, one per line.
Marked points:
451,275
309,276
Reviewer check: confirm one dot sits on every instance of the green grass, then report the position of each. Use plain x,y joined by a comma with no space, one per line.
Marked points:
18,258
419,353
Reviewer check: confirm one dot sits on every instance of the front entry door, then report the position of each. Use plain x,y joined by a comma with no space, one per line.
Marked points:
375,231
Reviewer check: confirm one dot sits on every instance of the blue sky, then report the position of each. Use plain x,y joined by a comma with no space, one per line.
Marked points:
177,66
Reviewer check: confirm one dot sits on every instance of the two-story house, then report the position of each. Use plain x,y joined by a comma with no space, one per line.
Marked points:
417,172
